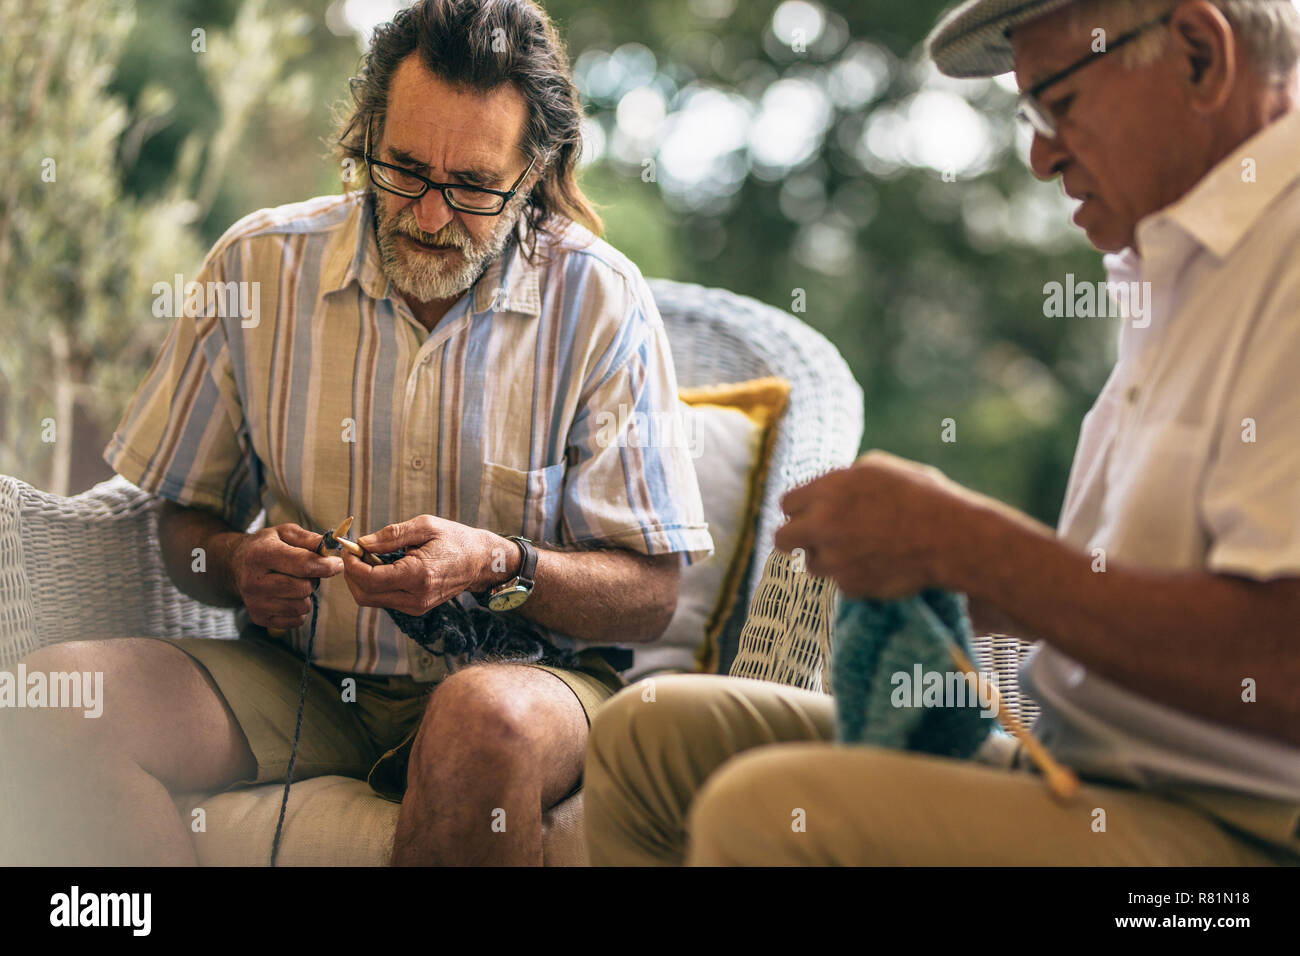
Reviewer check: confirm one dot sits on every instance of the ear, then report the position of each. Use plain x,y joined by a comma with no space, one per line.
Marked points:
1205,48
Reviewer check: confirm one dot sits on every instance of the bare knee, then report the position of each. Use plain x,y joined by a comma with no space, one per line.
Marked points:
116,680
473,712
149,703
55,691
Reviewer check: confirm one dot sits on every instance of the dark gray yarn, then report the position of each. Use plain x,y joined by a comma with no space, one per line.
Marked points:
483,635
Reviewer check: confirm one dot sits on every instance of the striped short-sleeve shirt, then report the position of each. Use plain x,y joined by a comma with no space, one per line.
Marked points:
298,381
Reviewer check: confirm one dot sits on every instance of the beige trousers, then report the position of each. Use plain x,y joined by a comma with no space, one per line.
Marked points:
725,771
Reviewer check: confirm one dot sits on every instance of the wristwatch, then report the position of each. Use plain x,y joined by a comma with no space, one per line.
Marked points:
513,593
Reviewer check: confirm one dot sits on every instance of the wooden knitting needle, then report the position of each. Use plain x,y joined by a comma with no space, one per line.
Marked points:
1061,781
351,547
337,533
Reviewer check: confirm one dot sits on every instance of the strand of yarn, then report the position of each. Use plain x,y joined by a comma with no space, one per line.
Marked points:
297,727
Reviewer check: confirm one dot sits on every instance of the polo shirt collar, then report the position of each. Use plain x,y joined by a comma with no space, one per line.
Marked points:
509,284
1220,209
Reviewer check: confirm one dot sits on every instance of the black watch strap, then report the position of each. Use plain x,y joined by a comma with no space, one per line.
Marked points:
528,567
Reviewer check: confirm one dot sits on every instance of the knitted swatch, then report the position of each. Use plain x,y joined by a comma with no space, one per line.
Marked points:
877,641
482,635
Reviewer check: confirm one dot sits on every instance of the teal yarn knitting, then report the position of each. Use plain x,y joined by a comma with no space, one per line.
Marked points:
877,640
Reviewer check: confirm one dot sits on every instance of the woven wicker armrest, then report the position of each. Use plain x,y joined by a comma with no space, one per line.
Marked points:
89,567
787,636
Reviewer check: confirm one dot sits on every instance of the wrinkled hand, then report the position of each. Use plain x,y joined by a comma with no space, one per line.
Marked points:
442,560
880,528
275,572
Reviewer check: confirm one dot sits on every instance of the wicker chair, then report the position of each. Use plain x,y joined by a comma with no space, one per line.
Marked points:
89,566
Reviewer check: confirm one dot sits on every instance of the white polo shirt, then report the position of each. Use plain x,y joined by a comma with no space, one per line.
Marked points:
1190,459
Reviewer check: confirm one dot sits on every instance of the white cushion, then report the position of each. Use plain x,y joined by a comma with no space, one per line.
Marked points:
334,821
725,443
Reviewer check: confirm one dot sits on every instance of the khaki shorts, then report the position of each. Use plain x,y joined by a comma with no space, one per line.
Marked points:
368,738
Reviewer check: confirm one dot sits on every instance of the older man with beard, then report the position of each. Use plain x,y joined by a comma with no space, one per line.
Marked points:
431,355
1168,601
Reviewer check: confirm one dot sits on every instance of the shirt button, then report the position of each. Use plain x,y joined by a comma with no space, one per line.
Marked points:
417,462
1133,392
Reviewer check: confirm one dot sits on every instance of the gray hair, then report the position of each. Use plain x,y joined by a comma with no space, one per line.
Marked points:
1270,30
483,45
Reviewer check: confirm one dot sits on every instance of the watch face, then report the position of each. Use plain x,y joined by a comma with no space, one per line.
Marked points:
508,600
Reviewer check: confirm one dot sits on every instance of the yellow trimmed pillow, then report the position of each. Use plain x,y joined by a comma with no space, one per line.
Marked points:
732,435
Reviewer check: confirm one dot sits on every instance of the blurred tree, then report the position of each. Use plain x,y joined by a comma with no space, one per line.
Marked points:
886,200
79,259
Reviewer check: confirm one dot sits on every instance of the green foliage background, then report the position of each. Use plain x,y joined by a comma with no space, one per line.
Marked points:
160,148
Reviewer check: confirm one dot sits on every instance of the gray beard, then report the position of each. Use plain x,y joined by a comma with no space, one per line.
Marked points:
427,277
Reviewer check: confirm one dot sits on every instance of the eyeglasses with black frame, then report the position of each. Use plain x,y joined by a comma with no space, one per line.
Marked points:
475,200
1031,109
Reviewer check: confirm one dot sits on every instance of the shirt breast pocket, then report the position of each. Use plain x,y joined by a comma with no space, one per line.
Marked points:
518,502
1151,514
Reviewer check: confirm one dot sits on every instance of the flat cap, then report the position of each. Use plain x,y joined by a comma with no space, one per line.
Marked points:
972,39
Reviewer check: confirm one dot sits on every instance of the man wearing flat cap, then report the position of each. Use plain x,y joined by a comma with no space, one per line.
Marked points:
1166,605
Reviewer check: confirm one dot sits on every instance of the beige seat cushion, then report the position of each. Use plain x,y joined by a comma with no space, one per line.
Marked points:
334,821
